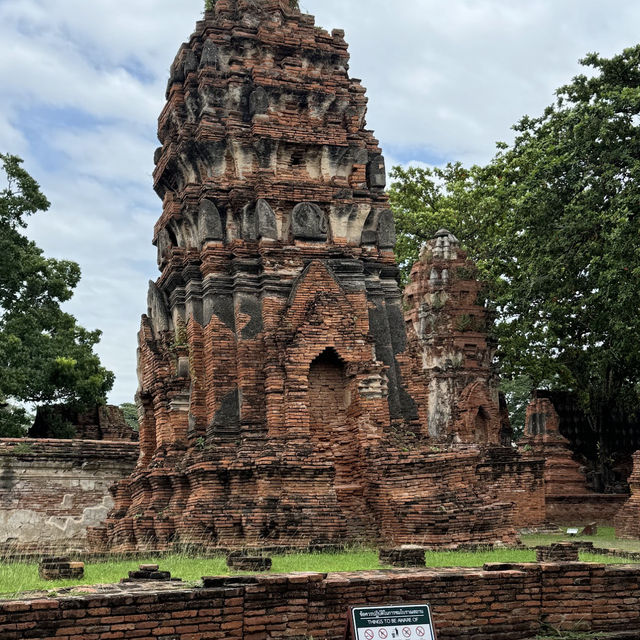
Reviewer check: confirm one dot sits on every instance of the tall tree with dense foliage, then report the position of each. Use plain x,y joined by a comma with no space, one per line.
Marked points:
427,199
553,221
566,260
45,356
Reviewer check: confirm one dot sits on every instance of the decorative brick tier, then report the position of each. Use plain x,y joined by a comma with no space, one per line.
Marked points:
53,490
627,520
418,497
501,602
279,400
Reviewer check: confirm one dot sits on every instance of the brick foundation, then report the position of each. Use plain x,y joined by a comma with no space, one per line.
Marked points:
500,602
60,568
559,552
584,508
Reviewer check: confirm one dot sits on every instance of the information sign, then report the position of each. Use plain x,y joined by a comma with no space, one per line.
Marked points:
405,622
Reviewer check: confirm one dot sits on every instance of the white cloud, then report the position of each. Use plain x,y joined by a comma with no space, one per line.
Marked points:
450,78
115,152
83,84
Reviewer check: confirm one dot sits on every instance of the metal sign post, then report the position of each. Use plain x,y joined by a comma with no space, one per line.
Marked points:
403,622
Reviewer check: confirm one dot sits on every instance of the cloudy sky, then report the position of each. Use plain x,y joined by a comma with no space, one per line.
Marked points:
83,84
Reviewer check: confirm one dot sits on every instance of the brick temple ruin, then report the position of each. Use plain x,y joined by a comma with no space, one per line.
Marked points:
286,396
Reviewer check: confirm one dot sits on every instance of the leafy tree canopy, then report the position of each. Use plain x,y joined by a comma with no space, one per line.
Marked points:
130,411
553,222
424,200
45,356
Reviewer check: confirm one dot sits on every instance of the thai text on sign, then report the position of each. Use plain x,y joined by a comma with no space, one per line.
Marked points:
406,622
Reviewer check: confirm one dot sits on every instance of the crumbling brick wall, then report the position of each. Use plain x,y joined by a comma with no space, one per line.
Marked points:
501,602
98,423
51,491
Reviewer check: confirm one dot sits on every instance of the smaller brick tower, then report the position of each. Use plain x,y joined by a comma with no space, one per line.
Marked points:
448,327
627,521
542,439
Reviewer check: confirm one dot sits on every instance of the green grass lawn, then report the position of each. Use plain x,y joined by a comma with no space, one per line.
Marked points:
16,577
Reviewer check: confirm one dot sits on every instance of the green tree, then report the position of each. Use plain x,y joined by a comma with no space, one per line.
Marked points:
566,262
553,222
517,392
424,200
14,421
130,411
45,356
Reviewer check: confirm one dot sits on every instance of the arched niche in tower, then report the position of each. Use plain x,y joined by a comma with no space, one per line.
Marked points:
259,221
481,426
309,222
328,398
209,222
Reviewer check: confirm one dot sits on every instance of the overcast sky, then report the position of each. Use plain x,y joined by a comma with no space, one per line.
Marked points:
83,84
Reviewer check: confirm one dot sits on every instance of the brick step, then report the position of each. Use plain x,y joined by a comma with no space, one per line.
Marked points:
615,635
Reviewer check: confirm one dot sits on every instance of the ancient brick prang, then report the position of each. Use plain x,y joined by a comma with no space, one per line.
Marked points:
567,496
277,397
606,453
448,325
542,439
627,520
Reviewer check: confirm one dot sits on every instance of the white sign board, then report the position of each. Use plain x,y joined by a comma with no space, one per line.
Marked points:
406,622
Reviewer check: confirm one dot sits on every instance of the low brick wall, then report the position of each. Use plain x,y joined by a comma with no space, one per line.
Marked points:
581,509
52,490
500,602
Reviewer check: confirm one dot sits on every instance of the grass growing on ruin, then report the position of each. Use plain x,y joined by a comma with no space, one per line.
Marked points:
18,577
